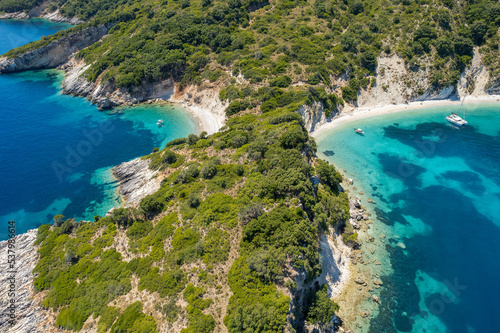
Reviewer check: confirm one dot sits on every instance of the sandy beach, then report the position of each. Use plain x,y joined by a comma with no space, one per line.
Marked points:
208,119
356,303
367,112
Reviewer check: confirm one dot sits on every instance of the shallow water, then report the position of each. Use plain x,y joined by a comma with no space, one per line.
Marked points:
437,193
57,151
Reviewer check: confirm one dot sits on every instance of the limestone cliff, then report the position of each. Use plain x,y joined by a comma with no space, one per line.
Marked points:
56,17
55,53
136,180
397,84
27,312
43,12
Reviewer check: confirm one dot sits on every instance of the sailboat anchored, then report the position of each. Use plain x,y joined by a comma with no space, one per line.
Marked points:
455,119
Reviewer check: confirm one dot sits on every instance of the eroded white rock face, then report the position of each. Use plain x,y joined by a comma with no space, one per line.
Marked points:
74,83
26,315
15,16
136,180
314,116
55,53
56,17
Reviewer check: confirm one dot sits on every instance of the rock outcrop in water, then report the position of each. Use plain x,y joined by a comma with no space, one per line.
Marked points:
107,95
56,17
55,53
43,12
136,180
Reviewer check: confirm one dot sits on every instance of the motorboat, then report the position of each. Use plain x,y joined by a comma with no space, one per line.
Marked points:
359,131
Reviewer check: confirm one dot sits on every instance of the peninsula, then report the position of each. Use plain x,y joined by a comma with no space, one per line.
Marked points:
239,228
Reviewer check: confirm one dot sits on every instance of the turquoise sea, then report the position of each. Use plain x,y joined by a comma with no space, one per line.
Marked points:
436,216
57,151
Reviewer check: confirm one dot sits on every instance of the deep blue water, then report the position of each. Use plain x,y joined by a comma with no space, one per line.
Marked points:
437,191
57,151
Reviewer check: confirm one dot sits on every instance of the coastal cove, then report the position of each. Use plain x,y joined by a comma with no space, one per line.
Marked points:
58,150
434,229
249,166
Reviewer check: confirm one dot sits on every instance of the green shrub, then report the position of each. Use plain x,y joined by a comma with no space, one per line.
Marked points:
139,229
215,75
268,106
170,309
169,157
169,283
192,139
188,174
328,175
152,204
177,142
238,140
216,246
133,320
322,308
281,81
237,106
209,169
108,317
294,137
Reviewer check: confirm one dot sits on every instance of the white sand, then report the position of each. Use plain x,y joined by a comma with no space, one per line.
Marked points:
361,113
204,105
209,120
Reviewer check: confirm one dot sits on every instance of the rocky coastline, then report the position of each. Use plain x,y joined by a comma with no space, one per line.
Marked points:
202,102
55,53
389,94
29,314
136,180
41,11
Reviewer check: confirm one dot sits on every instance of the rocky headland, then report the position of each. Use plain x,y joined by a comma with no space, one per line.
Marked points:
137,180
54,53
41,11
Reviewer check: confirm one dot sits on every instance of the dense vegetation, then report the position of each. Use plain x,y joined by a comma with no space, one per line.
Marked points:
239,213
285,42
246,189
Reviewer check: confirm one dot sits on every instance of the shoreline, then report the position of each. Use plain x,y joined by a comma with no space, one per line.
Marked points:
38,12
368,112
356,300
206,121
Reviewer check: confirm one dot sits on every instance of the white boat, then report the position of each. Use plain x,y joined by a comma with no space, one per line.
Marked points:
359,131
455,119
159,122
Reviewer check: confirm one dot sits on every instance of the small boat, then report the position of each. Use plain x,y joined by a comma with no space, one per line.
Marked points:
359,131
455,119
159,122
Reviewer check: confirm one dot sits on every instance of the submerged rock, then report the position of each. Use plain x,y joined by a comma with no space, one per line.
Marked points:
360,280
